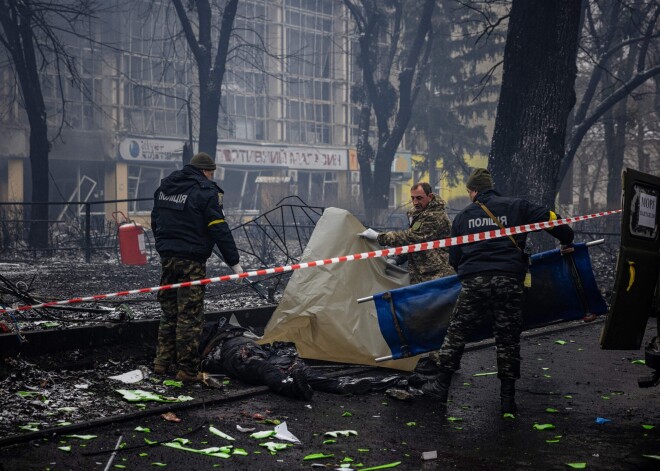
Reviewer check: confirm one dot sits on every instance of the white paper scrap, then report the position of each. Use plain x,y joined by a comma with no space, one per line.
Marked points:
430,455
282,432
129,377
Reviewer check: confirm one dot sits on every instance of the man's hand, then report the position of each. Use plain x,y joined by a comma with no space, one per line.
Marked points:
566,249
237,268
369,234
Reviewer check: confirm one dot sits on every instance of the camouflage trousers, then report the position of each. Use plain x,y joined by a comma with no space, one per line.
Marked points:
498,295
183,315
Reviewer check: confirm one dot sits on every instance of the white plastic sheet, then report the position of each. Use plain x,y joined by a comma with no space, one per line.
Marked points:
318,310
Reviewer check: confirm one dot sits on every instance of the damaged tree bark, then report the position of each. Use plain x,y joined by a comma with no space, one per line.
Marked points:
536,98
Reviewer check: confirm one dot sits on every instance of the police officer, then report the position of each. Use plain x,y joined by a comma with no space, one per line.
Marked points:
428,222
187,221
491,273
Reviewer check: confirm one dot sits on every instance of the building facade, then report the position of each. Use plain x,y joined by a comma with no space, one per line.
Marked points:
286,123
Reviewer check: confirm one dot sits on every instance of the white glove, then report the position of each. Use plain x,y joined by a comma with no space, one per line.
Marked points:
237,268
369,234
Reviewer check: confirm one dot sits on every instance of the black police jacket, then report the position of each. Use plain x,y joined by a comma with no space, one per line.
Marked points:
187,219
498,256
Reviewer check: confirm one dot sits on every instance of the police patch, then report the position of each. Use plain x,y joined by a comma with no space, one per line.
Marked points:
416,226
220,196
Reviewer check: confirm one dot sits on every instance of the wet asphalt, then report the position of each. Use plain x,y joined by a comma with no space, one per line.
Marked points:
566,387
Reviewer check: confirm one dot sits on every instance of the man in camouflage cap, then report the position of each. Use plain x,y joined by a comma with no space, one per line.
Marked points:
428,222
187,221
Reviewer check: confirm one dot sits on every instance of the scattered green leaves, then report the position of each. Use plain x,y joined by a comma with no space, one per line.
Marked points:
138,395
219,433
338,433
173,383
263,434
544,426
383,466
216,451
274,447
29,427
318,456
28,393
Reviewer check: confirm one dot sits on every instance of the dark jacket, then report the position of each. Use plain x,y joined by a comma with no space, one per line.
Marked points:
187,219
498,256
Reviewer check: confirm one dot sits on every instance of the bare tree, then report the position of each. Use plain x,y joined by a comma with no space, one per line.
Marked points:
619,49
199,33
391,105
32,32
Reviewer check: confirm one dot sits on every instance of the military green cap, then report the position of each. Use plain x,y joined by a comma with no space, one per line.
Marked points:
479,180
202,161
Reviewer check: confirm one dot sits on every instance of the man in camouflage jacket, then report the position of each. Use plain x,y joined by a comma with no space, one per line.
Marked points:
428,222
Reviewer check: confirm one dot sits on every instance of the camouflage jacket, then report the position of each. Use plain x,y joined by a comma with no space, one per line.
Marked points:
426,225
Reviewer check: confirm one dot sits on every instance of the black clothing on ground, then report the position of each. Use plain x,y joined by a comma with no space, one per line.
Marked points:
187,219
226,350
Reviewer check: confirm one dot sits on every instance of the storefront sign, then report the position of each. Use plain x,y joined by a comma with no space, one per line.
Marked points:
239,155
150,150
286,156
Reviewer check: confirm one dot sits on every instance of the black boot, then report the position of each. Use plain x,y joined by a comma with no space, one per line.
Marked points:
303,388
508,396
354,386
294,385
438,388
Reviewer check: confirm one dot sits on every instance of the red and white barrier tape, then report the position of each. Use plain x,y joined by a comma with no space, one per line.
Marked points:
450,241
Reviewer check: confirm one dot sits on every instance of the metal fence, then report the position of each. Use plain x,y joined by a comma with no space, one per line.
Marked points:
72,226
91,228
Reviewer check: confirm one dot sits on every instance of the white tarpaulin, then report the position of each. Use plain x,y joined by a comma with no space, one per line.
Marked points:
319,311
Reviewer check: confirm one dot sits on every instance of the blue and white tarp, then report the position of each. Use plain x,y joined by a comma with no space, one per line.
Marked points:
414,319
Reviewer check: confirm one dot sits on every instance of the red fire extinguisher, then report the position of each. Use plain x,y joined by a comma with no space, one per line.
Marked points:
132,247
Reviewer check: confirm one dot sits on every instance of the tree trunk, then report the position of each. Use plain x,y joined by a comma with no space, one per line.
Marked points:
381,185
365,155
211,70
642,156
615,146
39,147
22,49
209,106
536,97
